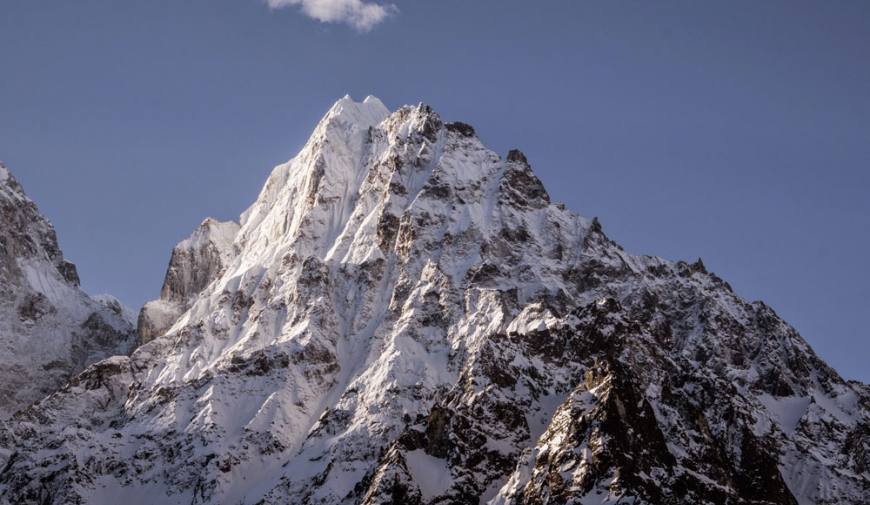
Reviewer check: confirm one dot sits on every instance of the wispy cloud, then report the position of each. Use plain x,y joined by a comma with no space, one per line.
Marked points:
360,14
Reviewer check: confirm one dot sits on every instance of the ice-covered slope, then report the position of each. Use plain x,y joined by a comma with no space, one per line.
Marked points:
407,318
49,328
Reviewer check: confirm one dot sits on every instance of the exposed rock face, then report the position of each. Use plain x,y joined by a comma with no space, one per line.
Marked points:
49,328
194,264
406,318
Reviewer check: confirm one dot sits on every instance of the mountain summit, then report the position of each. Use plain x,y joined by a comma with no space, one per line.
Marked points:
403,316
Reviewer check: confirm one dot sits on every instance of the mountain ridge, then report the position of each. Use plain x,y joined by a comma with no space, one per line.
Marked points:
49,328
405,316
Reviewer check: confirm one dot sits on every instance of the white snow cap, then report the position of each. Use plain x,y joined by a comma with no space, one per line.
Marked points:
373,99
369,112
220,233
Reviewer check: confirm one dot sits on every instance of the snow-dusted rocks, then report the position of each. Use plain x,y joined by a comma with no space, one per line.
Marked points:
195,262
49,328
406,318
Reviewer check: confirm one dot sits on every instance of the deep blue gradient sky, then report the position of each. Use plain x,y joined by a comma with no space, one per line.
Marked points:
738,132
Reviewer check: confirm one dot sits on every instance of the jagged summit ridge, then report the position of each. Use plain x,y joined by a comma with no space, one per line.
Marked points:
404,316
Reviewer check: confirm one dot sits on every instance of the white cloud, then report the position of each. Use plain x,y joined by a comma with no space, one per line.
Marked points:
360,14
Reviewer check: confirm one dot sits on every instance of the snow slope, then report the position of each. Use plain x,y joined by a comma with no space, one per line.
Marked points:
405,317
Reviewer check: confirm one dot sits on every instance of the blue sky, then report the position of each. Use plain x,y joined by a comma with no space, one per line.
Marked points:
737,132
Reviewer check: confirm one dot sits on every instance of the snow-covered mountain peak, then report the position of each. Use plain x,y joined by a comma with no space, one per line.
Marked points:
221,234
373,99
195,262
10,189
26,233
404,317
348,112
199,259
